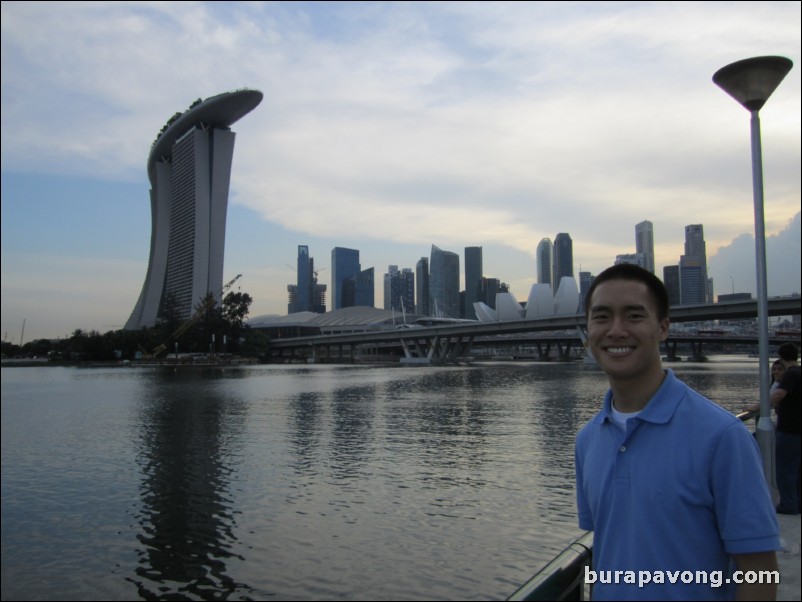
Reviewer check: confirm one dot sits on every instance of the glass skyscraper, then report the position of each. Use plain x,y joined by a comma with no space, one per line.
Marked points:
422,286
473,280
644,243
563,259
693,267
444,284
544,261
344,265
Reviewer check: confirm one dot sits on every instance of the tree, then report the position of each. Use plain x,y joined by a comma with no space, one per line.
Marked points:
235,308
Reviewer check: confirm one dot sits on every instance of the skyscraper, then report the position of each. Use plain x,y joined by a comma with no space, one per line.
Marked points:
392,288
344,265
563,259
359,290
444,284
544,262
473,279
644,243
307,294
671,280
693,267
422,286
189,168
407,290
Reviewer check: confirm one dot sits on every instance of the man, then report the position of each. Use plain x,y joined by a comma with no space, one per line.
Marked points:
670,483
787,401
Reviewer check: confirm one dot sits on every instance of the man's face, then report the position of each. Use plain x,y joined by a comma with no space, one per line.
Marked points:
624,331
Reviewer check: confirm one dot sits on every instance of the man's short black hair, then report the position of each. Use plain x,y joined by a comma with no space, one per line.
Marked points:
629,271
788,352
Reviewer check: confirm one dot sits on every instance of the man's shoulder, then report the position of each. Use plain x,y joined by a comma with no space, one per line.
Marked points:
701,411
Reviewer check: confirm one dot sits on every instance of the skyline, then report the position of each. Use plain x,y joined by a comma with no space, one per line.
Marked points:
389,128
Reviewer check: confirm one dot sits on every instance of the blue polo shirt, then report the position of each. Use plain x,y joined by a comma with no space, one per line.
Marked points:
681,490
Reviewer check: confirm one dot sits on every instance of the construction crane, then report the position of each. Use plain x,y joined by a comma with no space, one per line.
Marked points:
208,302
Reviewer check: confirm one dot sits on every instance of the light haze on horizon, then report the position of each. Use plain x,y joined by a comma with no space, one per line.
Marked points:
389,127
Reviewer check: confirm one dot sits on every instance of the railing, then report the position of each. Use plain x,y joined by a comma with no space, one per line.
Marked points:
563,577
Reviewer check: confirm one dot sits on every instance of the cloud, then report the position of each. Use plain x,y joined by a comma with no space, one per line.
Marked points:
453,123
737,259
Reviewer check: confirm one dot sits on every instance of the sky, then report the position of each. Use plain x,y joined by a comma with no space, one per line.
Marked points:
389,127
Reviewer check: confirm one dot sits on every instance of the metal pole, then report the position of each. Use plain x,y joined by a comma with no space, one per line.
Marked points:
765,428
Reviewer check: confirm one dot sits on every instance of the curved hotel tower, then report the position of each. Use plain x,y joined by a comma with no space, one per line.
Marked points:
189,168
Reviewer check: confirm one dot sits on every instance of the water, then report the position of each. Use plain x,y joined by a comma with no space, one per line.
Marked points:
288,482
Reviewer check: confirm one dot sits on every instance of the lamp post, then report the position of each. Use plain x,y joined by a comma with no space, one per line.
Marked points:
751,82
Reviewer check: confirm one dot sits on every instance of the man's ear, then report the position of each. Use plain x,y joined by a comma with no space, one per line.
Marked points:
664,324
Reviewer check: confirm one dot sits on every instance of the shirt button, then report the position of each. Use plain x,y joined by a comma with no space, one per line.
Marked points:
622,449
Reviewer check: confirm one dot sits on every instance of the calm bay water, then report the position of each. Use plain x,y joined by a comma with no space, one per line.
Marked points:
297,482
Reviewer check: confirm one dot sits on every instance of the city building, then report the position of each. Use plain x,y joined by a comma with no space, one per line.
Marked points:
359,290
399,290
563,260
694,285
544,262
344,265
306,294
644,243
443,284
672,282
585,282
392,289
189,168
422,286
633,258
473,280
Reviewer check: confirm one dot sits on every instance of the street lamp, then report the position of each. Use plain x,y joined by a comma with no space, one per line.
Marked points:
751,82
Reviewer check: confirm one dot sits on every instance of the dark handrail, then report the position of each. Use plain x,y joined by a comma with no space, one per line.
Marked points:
562,578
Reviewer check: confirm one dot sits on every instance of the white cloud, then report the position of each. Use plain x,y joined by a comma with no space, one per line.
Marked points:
417,123
737,260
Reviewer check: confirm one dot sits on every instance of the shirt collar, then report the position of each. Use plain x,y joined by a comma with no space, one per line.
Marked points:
661,406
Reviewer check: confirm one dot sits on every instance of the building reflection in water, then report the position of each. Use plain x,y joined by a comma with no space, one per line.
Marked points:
186,518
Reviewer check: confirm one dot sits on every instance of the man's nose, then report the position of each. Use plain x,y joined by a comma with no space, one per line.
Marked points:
617,327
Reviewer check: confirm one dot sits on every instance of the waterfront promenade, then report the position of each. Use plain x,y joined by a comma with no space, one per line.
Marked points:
790,587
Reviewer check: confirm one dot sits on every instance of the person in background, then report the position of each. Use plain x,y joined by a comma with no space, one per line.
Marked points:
777,371
666,479
787,401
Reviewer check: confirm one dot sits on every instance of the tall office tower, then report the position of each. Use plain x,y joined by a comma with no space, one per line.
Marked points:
189,168
422,287
693,267
407,291
563,259
359,290
392,289
306,294
672,282
545,252
473,280
644,243
399,289
444,284
344,265
490,288
585,281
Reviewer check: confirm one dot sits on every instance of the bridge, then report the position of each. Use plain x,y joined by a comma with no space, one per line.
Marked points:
450,343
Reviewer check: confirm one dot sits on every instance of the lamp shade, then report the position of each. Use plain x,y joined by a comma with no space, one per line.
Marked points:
752,81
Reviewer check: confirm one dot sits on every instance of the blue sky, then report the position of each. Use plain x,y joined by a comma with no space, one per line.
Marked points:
389,127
